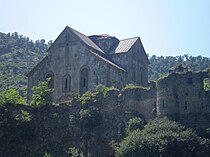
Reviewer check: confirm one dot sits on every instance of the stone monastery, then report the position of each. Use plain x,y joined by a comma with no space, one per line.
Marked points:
77,63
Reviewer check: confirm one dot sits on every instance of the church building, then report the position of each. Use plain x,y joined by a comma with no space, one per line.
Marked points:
78,63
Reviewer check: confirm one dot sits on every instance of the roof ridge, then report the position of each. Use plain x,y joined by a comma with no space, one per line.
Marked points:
88,42
129,38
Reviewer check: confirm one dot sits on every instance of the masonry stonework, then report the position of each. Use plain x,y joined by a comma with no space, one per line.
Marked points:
77,63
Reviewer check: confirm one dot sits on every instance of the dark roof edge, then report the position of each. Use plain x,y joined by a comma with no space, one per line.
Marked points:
36,66
144,50
107,60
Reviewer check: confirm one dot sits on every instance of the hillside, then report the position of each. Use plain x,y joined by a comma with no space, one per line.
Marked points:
18,54
160,65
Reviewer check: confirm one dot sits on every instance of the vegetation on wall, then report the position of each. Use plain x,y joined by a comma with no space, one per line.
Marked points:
84,124
18,55
96,127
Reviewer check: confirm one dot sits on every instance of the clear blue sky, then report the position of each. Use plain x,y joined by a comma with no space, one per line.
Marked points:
166,27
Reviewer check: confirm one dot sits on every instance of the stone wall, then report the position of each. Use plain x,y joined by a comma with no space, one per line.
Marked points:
65,61
182,97
95,125
135,63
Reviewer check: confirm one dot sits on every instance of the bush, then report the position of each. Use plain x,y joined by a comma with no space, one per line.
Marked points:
42,94
24,116
90,118
10,96
135,123
162,137
88,97
103,89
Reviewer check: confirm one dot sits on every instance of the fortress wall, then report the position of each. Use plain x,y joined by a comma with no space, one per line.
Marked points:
184,99
166,97
139,101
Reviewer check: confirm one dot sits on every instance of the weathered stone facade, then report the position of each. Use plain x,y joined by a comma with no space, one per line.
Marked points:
55,128
180,96
77,63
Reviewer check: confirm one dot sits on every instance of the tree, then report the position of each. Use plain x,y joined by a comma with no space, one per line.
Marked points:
42,94
135,123
10,96
162,137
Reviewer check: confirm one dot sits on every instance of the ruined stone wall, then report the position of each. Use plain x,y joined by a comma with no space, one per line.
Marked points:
182,97
140,102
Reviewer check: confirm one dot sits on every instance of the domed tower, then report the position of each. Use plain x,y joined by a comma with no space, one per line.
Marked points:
167,104
106,42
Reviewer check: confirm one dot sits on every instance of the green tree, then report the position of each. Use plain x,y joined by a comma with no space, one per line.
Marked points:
10,96
163,138
134,124
42,94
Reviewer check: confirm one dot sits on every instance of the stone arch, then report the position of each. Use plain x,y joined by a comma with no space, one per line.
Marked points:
84,79
49,77
66,83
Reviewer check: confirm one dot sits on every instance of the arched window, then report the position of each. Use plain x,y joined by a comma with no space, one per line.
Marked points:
84,80
66,83
49,77
185,105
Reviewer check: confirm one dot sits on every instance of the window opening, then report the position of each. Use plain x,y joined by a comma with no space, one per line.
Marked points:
185,105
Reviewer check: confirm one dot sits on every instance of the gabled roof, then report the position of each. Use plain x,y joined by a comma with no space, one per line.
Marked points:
85,39
125,45
82,37
37,65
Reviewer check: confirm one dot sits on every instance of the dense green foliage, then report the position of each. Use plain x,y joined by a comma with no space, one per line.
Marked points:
42,94
160,65
10,96
163,138
18,54
134,124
